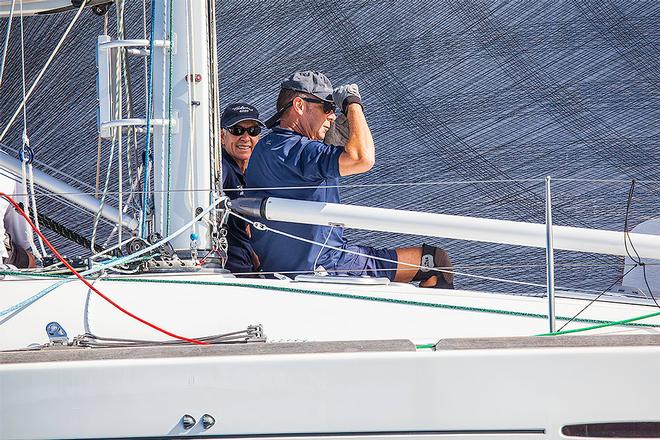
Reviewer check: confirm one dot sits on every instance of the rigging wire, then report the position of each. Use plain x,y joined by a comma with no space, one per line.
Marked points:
163,131
26,154
361,185
44,68
169,115
97,215
6,45
147,159
637,262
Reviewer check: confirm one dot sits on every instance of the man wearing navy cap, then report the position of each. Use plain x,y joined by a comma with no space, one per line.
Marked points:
294,155
241,127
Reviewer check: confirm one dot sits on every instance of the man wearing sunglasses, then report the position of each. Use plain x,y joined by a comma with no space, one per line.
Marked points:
241,128
294,155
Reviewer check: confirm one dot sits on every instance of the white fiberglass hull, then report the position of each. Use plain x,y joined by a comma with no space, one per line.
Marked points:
528,393
460,394
196,305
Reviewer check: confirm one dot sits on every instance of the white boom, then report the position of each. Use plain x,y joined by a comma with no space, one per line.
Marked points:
453,226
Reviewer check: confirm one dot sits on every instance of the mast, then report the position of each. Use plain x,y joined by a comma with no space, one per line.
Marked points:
182,90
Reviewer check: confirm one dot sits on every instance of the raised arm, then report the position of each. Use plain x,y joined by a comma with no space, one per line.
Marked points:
359,153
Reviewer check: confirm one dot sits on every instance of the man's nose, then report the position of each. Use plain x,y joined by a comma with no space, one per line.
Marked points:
332,116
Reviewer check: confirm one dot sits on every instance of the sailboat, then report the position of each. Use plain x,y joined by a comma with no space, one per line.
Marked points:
154,345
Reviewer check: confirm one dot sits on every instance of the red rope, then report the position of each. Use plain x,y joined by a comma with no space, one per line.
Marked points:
88,284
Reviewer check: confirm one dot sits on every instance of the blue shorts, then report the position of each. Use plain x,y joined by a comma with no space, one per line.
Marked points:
358,265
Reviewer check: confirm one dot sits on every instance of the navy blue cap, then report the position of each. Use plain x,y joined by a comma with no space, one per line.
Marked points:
307,81
238,112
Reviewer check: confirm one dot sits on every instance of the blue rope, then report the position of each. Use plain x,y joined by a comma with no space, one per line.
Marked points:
34,298
146,147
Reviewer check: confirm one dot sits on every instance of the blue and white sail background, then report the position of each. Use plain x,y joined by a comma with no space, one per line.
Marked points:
496,95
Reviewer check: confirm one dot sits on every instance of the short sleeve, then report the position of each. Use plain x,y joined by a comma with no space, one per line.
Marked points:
318,160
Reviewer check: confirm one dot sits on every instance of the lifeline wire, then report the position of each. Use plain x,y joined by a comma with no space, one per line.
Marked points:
350,186
263,227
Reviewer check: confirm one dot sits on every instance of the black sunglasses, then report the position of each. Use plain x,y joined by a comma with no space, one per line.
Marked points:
328,107
237,130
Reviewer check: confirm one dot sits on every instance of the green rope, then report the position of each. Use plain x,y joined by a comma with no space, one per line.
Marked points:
169,126
424,346
598,323
613,323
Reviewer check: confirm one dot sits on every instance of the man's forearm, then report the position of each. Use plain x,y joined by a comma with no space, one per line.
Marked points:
360,144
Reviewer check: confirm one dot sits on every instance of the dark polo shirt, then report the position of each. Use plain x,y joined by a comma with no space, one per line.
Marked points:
240,249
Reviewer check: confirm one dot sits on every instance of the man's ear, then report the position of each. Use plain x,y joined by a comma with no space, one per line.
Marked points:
298,105
222,136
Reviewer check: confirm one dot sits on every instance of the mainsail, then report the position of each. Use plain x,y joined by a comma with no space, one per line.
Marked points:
469,104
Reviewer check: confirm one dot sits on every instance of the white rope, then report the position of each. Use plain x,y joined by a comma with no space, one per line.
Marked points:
132,193
119,109
29,200
44,68
110,249
33,201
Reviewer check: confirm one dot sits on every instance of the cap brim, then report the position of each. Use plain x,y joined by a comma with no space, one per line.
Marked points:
327,98
242,120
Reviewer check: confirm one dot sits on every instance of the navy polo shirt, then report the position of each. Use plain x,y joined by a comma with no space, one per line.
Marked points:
240,250
285,158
